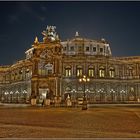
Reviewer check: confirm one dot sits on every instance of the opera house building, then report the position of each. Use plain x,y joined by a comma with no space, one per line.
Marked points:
54,69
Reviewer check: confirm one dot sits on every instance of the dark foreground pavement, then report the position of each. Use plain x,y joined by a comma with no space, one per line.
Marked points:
100,121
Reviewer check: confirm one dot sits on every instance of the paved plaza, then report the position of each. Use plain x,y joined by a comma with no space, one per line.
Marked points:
99,121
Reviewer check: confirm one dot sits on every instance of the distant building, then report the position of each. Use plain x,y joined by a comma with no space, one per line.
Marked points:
52,70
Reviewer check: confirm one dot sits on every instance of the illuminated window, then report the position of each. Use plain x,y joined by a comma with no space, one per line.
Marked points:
39,72
79,71
45,69
102,72
111,72
27,73
91,72
68,71
43,72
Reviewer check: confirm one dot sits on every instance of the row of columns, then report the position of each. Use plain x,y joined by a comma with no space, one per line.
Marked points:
18,93
116,92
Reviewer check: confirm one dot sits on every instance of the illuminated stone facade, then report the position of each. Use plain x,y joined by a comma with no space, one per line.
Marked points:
52,69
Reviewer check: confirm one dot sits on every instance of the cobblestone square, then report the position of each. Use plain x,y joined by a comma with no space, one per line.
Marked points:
109,121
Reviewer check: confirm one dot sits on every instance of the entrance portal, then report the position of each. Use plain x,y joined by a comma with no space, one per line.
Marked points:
43,93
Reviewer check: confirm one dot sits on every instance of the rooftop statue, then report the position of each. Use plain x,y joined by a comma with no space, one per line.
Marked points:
50,34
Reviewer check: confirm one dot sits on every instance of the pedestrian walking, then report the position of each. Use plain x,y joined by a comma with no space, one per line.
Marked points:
43,102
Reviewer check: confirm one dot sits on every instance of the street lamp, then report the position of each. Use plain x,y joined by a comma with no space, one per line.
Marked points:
84,79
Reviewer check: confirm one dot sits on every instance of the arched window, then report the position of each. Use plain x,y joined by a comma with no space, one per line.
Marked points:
111,72
27,73
130,71
91,71
79,71
68,71
101,71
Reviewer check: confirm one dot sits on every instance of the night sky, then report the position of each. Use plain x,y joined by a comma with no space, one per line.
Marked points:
117,22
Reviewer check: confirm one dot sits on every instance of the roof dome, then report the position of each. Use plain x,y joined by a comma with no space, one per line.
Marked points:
79,45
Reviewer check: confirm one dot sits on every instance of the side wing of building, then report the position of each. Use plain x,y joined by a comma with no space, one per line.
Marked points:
15,82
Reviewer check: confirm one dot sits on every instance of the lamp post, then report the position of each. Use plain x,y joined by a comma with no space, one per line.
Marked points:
84,79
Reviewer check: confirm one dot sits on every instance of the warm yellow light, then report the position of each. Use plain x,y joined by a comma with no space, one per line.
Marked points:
88,79
84,79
